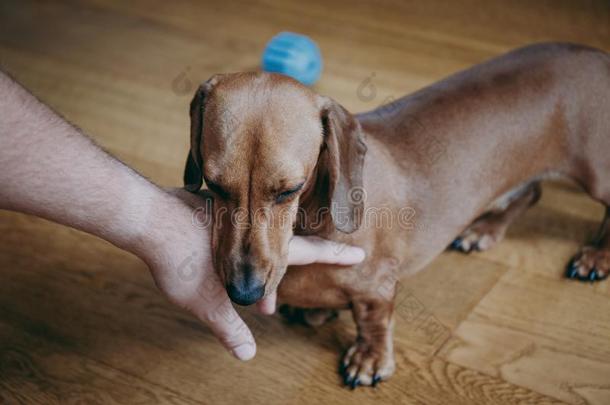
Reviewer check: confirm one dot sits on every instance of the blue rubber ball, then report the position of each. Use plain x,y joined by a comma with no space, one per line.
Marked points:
293,55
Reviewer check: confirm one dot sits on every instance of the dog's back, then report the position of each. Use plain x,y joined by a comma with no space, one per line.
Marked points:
480,133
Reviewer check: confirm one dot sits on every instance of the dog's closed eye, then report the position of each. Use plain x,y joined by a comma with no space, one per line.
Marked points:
285,195
221,192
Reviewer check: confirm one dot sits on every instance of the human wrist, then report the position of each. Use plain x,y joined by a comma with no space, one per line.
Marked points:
168,229
156,224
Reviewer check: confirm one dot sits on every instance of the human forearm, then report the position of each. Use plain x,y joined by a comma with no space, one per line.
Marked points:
50,169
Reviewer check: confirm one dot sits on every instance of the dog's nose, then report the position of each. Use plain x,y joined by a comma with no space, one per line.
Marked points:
245,294
246,290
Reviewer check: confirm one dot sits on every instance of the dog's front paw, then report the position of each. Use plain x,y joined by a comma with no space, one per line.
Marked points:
366,364
591,264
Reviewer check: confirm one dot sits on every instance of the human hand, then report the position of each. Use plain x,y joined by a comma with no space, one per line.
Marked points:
304,250
180,261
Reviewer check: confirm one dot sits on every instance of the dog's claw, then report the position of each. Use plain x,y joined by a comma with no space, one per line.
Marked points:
590,265
456,244
572,271
365,366
347,379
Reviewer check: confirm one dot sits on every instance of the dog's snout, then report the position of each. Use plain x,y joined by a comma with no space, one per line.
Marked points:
246,288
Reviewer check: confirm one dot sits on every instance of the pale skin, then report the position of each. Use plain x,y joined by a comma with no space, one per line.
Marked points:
48,168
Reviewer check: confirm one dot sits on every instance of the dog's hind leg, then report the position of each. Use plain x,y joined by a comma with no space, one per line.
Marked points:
592,263
489,228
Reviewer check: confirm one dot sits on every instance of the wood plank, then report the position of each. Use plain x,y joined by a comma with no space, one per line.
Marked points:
39,369
432,303
548,335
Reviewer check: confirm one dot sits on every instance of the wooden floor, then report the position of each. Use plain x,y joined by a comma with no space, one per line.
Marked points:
81,321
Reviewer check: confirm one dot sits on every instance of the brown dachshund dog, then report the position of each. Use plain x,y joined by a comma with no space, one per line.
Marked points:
463,156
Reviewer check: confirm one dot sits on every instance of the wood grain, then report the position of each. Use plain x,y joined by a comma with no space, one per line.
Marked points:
553,338
81,321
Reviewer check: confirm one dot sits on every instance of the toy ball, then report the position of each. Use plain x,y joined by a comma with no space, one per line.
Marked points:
293,55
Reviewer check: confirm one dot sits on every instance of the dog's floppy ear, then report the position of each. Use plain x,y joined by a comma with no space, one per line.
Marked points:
193,170
341,162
